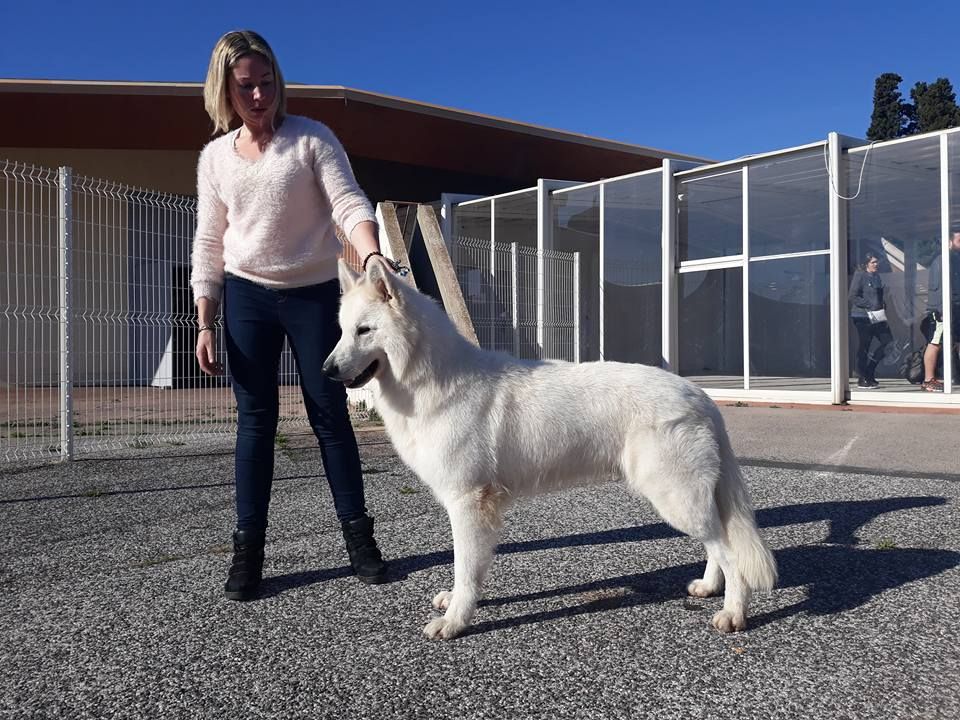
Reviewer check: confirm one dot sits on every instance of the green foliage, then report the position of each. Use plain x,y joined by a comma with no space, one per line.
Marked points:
934,107
889,114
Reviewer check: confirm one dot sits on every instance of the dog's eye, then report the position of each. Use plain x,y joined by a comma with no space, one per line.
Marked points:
363,330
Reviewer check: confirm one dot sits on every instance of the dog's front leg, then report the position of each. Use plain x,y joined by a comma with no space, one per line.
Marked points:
475,520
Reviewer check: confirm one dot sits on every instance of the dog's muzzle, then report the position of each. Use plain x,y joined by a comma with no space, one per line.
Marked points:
332,371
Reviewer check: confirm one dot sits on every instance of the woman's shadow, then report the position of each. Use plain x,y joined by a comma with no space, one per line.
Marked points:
840,574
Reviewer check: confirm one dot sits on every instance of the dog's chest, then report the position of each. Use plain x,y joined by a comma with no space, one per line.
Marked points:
420,445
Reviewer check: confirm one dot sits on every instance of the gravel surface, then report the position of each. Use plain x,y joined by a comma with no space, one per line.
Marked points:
111,601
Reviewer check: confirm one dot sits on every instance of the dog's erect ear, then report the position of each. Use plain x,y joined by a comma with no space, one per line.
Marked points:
348,278
382,277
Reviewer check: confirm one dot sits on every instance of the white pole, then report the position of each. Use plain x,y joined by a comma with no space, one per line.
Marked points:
576,307
948,339
839,362
745,276
66,348
669,306
543,221
515,299
492,298
602,278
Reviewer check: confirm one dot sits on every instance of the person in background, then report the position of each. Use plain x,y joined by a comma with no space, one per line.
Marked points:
932,324
870,319
270,194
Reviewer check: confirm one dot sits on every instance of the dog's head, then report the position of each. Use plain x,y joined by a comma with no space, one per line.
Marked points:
371,320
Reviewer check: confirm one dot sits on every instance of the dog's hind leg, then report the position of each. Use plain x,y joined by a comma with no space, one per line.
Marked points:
476,519
712,581
736,597
677,469
702,521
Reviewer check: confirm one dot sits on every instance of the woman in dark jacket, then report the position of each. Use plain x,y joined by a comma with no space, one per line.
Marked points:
869,317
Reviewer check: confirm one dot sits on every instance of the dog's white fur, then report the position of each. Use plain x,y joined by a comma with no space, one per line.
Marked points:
482,429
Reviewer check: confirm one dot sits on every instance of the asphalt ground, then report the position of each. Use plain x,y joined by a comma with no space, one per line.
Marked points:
111,602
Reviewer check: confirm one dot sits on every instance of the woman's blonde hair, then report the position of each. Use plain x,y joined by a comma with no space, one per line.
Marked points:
228,50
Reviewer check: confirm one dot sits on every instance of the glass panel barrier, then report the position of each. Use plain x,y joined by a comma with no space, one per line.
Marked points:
790,323
576,228
789,205
710,216
633,281
894,241
711,327
789,297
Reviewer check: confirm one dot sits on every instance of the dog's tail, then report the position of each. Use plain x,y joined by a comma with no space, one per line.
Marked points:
754,560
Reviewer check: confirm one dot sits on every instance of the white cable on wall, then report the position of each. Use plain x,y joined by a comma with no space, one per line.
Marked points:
833,186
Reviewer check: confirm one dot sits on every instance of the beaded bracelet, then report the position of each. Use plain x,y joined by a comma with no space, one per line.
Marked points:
401,270
370,255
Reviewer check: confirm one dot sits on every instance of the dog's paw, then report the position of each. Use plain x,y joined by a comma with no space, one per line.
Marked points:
441,601
700,588
442,629
726,621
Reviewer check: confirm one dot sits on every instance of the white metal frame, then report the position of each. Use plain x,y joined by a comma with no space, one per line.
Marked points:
745,275
946,290
603,272
669,305
447,203
839,343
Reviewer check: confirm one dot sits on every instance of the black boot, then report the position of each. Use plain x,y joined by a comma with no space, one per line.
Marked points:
246,570
365,557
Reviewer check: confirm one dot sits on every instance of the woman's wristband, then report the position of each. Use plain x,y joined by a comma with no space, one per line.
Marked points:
370,255
211,328
399,269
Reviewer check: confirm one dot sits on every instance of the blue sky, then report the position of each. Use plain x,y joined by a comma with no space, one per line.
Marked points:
713,79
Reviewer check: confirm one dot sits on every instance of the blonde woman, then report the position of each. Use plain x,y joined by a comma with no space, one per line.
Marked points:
270,195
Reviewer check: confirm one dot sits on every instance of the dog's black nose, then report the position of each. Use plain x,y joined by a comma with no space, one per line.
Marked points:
330,368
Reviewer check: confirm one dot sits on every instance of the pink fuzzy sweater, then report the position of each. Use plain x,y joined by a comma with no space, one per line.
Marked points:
272,220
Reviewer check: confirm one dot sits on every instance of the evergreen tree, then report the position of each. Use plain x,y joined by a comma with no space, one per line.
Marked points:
936,106
889,117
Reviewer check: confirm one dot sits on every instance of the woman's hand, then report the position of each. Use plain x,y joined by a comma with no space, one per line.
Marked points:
207,337
207,352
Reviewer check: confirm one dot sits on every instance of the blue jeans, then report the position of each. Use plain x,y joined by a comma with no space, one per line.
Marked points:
256,321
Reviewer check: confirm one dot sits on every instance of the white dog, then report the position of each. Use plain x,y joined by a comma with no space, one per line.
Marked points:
482,429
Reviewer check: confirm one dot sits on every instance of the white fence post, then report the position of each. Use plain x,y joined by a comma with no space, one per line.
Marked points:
66,312
515,299
947,278
576,307
839,360
492,299
669,321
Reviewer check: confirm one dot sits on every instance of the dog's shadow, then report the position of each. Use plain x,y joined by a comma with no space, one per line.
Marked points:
839,574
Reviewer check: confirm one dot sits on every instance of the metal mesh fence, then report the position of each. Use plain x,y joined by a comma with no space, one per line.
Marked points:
500,288
31,320
99,327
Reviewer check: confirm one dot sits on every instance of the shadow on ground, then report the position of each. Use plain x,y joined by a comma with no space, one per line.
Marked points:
839,574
